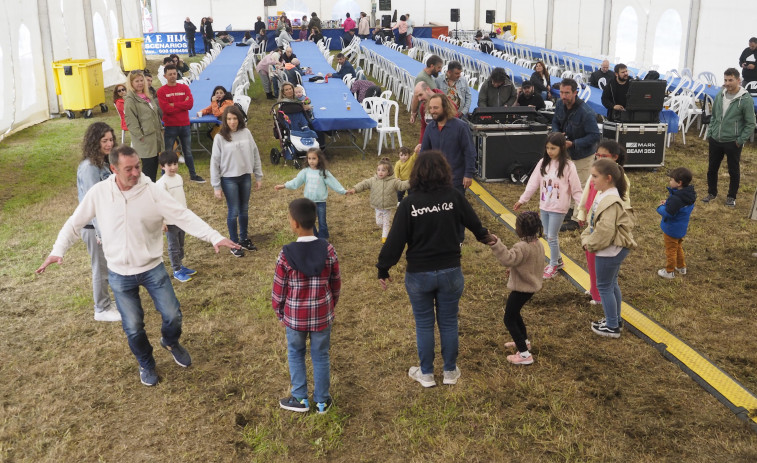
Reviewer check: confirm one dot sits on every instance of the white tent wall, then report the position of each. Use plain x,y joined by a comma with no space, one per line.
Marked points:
531,16
24,100
566,35
42,31
723,34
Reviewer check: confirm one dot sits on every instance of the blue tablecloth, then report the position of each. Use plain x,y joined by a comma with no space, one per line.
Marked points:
222,71
588,62
334,34
329,104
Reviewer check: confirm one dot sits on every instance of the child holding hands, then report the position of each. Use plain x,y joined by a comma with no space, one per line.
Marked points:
609,236
556,178
403,167
525,260
675,212
317,179
384,188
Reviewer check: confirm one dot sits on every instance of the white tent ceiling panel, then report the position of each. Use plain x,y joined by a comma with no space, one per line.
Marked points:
170,15
132,18
240,15
67,29
105,26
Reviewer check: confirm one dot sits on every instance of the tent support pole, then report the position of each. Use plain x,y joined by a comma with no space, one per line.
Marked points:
46,41
550,23
89,29
691,36
606,29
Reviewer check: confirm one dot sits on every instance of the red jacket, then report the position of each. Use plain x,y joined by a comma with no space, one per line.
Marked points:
181,97
120,108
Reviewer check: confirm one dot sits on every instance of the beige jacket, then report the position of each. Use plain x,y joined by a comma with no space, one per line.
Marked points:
612,225
143,121
582,206
383,191
526,262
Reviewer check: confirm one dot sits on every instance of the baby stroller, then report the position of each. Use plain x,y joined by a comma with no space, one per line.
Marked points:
292,127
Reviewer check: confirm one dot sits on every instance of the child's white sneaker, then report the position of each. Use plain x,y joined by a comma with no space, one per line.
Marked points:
665,274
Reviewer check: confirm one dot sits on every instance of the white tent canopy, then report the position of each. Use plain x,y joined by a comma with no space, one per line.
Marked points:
702,35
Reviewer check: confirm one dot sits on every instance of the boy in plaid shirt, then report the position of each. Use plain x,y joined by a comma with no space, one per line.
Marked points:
305,291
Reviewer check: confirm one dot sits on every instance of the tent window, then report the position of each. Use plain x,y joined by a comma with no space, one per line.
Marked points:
667,40
628,33
26,59
101,42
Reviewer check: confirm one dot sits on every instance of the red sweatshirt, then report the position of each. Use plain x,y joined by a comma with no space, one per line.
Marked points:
178,114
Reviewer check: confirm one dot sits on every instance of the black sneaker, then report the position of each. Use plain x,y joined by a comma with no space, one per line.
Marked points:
323,407
237,252
247,244
709,198
180,355
603,330
147,376
620,323
730,202
294,404
197,179
569,225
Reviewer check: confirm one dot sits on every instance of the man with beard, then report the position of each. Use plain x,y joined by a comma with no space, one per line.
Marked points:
615,93
453,138
454,87
527,97
497,91
421,95
430,72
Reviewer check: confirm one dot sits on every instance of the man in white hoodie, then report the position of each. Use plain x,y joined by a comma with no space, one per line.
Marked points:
130,211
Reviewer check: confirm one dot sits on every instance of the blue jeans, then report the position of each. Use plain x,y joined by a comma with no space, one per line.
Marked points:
552,221
607,284
126,290
184,135
435,296
323,228
237,193
320,342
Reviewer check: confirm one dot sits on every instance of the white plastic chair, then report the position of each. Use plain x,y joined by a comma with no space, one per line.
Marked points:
708,78
244,102
386,128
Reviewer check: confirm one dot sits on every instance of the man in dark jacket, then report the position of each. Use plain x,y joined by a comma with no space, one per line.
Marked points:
748,62
209,33
190,29
578,122
603,72
315,21
615,94
527,97
497,90
259,24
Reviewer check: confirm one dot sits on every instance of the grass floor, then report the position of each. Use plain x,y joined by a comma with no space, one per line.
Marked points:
69,388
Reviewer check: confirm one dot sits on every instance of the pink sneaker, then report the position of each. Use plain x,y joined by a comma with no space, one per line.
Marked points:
511,345
550,272
516,359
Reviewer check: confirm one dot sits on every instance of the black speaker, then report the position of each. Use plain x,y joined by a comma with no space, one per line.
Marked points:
269,2
454,15
490,17
386,21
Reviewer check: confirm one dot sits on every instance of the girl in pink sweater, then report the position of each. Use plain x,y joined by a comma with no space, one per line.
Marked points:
556,178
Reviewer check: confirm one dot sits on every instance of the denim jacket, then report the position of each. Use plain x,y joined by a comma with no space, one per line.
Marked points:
579,126
87,175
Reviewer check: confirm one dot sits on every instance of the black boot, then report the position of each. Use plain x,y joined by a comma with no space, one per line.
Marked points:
270,96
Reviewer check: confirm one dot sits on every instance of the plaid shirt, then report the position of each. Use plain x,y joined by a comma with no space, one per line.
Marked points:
306,304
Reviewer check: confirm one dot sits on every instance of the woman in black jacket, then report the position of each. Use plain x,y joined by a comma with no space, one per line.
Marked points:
427,221
541,81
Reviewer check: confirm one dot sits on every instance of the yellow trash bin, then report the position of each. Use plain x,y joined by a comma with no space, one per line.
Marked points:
501,26
131,53
80,83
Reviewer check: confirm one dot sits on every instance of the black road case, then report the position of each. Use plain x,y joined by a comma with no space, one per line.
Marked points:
644,143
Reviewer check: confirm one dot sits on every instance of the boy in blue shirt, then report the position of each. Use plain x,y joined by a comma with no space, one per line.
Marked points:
675,212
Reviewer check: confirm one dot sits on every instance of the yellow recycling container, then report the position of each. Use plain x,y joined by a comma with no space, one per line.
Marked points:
80,83
501,26
131,53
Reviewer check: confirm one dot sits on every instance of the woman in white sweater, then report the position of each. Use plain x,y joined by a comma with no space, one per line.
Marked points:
234,158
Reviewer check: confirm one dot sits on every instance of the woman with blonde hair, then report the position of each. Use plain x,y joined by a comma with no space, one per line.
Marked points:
143,121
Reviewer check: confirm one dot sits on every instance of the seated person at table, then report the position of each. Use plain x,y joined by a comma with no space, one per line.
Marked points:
345,69
540,80
219,100
456,89
296,115
283,40
363,89
261,36
288,55
224,38
603,72
166,61
527,97
615,93
303,35
315,35
347,37
484,43
497,90
181,66
246,40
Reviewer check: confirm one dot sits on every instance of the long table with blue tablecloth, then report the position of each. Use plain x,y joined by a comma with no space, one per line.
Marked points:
329,100
221,71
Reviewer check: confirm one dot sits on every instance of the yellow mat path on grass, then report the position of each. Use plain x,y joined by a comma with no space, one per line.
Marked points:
725,388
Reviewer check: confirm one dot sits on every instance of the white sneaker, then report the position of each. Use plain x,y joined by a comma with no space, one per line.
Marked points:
110,314
181,159
451,377
665,274
681,270
425,380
